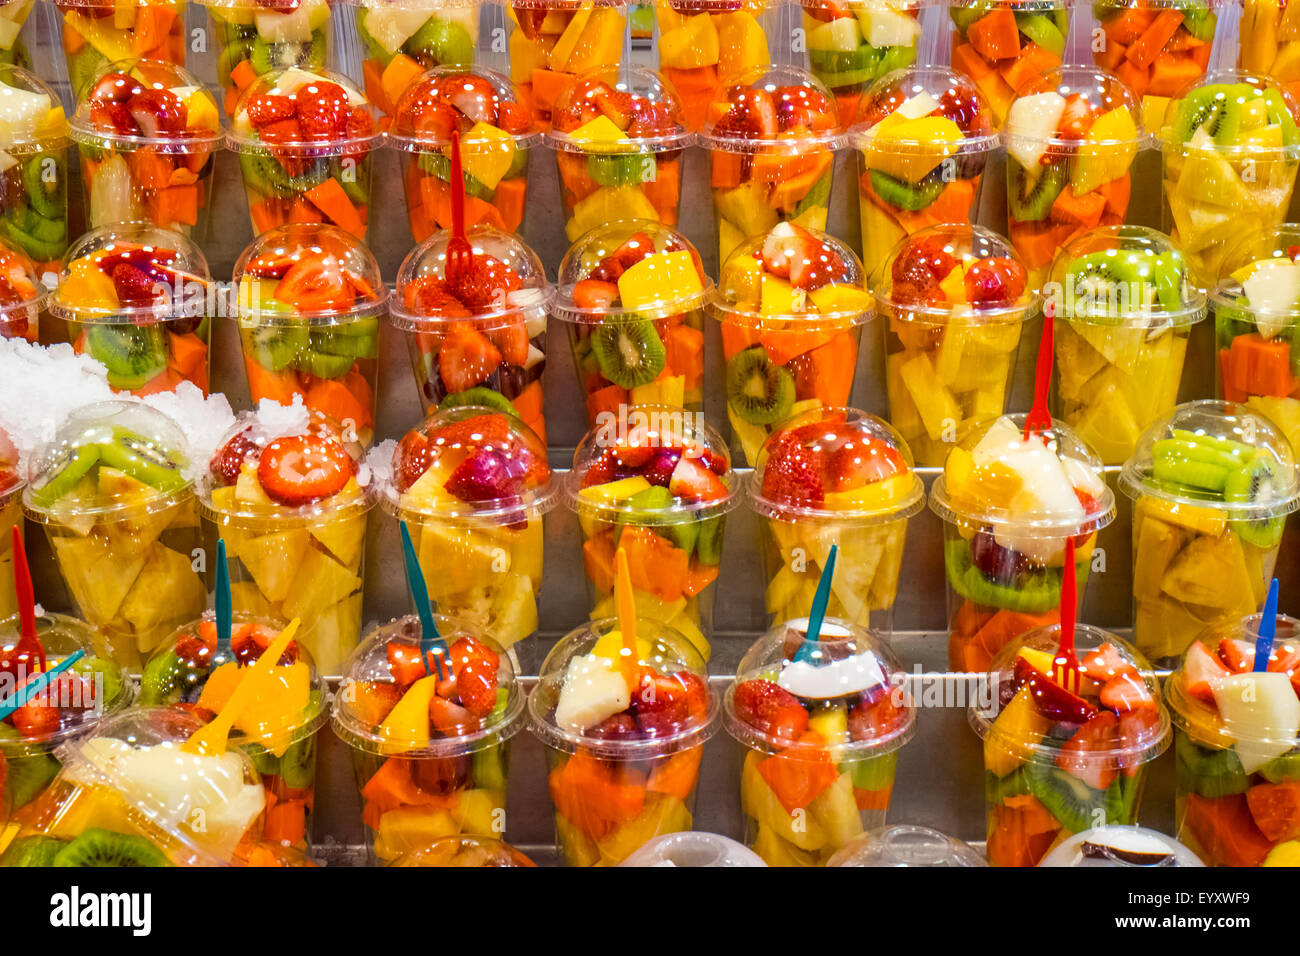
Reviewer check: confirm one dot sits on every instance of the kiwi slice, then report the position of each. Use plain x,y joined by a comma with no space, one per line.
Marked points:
1255,482
357,339
1034,592
267,55
39,249
903,195
708,546
298,763
142,460
92,668
478,395
1199,19
964,17
1066,797
323,365
76,464
1209,773
683,534
1200,107
1184,461
274,347
48,198
628,169
1285,767
1041,28
31,851
133,354
1013,784
25,777
441,43
760,391
1101,276
841,68
1031,200
873,773
100,847
816,197
167,679
629,351
373,50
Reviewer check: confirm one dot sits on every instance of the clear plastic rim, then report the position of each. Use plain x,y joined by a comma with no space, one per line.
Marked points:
853,5
694,511
747,736
423,146
11,313
766,508
809,322
186,145
561,306
830,139
568,4
533,505
1220,299
631,146
249,317
57,516
306,149
402,318
960,314
303,515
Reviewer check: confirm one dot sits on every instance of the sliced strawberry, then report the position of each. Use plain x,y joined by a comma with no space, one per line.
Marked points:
1137,730
115,88
466,357
691,481
619,727
136,288
1052,700
486,284
637,247
267,108
1201,671
793,474
404,663
770,709
1105,663
594,294
472,96
513,118
856,463
995,282
785,244
323,109
512,340
1088,755
815,265
414,454
1238,655
451,719
250,640
299,469
158,112
316,284
1077,118
874,717
803,108
197,649
760,114
490,428
475,666
1126,691
489,475
230,457
665,703
429,296
1285,659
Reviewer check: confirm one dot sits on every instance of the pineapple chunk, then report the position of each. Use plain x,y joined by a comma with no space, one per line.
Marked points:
593,690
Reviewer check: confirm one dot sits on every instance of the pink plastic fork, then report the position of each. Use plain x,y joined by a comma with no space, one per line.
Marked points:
460,255
1065,666
1039,418
29,645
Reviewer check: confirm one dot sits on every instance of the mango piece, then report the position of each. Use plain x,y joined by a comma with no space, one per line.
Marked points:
659,278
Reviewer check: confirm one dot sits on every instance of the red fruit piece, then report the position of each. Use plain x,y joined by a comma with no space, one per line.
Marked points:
995,282
637,247
770,709
798,107
316,284
488,475
1201,671
115,88
429,296
450,719
666,703
794,474
158,112
250,640
1052,700
413,457
619,727
691,481
1089,754
486,284
857,462
752,115
1137,730
475,666
197,649
785,245
1105,662
1077,118
472,96
230,457
512,340
513,118
299,469
1238,655
323,109
484,429
875,717
135,287
816,265
1125,692
595,294
267,108
466,357
405,665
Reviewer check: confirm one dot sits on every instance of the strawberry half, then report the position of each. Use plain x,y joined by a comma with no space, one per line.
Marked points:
466,357
770,708
691,481
475,666
299,469
1085,755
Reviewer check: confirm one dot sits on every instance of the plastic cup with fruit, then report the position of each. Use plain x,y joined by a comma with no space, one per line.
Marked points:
1231,148
1156,47
923,138
288,492
98,32
771,137
309,300
464,851
429,735
23,295
33,168
1009,501
954,298
705,45
257,37
1268,37
632,294
278,732
1061,760
1212,484
619,139
138,299
905,844
401,39
497,135
1124,307
114,489
304,140
13,15
1117,845
820,723
1004,44
694,850
1071,136
12,482
835,477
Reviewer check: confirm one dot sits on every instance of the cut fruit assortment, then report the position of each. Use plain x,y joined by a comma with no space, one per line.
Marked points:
13,15
1004,44
22,296
429,733
33,168
1124,306
258,37
1009,499
820,722
835,477
624,729
1062,756
98,32
1212,484
401,39
11,516
1268,41
705,45
464,851
1156,47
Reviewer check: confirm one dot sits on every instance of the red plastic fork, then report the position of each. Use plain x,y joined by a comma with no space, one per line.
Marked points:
1039,418
460,255
1065,666
29,645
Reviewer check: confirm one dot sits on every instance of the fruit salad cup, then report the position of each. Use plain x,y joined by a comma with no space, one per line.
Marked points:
1009,501
257,37
624,737
1267,41
632,295
33,173
1156,47
99,32
923,138
854,43
114,490
1071,137
1004,44
1237,733
1212,484
820,723
429,734
138,299
11,516
23,296
1124,307
706,45
954,298
1060,760
304,141
497,136
835,476
694,850
472,483
13,15
310,299
464,851
401,39
905,844
278,731
288,493
1231,149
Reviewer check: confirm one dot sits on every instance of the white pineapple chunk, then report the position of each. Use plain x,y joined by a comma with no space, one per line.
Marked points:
1262,712
593,690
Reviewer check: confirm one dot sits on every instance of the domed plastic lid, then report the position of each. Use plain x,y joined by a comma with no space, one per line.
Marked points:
22,294
773,106
138,102
105,459
31,117
1123,276
307,272
273,6
464,850
906,845
11,479
583,698
566,4
627,109
506,282
1130,726
833,9
1217,455
784,678
471,462
922,108
132,272
1255,276
1194,120
659,459
693,849
483,104
385,675
331,117
720,6
1074,105
630,268
953,274
1124,846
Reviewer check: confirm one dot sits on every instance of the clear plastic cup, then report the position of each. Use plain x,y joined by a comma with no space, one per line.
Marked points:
400,39
923,137
34,214
632,296
139,299
487,348
288,492
1266,39
820,724
658,485
464,851
13,15
1124,306
855,489
1157,47
624,738
114,489
1004,44
1236,735
695,850
430,750
705,45
304,140
310,299
98,32
1212,484
497,136
905,844
23,295
1120,846
771,138
954,299
257,37
11,516
1221,175
473,485
1072,135
1009,502
792,304
278,732
1057,763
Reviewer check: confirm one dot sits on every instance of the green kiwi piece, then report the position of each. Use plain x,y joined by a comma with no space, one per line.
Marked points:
1041,28
1279,114
1227,123
1031,200
1255,482
298,763
110,675
708,546
1033,592
232,53
166,679
903,195
1066,797
1121,799
436,164
816,197
760,391
1102,275
1199,19
267,55
964,17
478,395
100,847
683,534
998,788
82,67
76,465
356,339
441,43
128,452
48,199
489,767
31,851
1285,767
1209,773
373,50
322,364
628,169
1176,468
269,178
629,351
42,250
841,68
873,773
1238,452
1061,17
1200,107
275,347
25,777
133,354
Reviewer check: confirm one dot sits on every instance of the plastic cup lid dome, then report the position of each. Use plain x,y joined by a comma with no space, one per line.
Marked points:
720,6
1216,455
918,108
906,845
22,294
566,4
139,102
861,462
11,478
841,8
1116,845
307,272
482,103
773,106
331,116
464,850
618,110
273,6
31,116
693,849
386,667
1192,118
1082,95
1251,279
